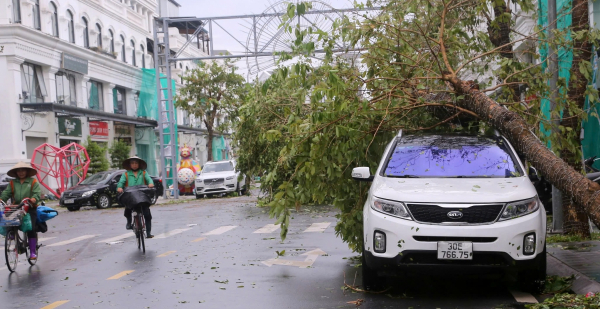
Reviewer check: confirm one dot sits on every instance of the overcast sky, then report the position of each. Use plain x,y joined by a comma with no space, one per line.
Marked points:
215,8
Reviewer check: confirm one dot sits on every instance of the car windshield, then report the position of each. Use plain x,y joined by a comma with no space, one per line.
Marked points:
218,167
452,156
95,179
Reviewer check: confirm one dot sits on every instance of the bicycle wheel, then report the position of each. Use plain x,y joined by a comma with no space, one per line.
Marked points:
11,252
142,241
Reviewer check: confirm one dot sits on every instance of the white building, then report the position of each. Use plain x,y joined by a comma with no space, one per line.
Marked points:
73,68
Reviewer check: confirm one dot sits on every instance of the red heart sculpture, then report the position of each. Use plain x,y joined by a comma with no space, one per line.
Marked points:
60,166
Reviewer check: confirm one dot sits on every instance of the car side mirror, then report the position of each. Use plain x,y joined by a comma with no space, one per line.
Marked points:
362,174
533,174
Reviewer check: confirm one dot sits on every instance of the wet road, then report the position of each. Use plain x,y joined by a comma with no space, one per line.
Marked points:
218,253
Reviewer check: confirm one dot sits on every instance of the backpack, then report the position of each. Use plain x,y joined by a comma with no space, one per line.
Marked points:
12,188
127,179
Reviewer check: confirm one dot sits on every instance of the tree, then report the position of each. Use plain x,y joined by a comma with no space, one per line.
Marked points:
119,152
98,161
211,91
416,72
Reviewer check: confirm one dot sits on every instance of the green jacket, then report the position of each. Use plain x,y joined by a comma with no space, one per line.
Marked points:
22,190
135,181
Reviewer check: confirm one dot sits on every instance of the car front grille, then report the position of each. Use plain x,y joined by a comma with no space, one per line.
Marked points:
214,182
478,214
72,194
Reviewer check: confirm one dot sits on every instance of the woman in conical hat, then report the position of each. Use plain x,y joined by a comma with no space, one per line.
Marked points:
136,175
22,187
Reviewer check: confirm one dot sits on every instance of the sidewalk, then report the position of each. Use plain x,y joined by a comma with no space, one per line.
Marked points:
581,259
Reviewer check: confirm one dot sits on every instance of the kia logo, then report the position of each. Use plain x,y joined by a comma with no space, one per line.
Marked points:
455,214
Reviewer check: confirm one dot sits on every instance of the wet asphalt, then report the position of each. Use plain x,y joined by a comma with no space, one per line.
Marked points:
186,268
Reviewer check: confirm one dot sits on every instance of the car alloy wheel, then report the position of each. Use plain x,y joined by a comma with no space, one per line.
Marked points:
103,202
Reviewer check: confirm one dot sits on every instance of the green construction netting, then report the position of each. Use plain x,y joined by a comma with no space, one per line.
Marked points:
148,108
219,149
94,102
591,126
565,55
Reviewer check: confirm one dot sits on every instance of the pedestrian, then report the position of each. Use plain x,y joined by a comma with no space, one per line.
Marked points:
22,187
135,176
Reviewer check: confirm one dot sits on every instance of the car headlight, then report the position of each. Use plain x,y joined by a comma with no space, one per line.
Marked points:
520,208
88,193
230,178
395,209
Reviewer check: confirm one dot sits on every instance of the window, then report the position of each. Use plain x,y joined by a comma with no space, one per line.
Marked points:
99,39
95,98
119,101
65,89
54,19
123,49
112,41
143,56
36,15
452,156
71,26
132,52
16,10
32,83
86,36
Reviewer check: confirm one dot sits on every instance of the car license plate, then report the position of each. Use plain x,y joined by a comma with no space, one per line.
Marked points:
70,201
454,250
212,185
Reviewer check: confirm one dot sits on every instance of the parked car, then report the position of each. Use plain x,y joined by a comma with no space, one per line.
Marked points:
219,177
4,181
100,190
461,201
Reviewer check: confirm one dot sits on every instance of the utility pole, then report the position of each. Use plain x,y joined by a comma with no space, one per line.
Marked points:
557,207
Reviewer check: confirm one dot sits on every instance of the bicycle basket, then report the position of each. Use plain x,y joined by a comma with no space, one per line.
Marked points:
11,216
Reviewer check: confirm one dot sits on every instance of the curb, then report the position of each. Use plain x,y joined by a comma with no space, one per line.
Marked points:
582,284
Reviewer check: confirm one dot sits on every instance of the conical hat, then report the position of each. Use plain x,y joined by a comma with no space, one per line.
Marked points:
30,170
127,163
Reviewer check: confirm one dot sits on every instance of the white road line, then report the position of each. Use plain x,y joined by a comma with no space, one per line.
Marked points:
523,297
317,227
70,241
269,228
220,230
171,233
116,238
40,239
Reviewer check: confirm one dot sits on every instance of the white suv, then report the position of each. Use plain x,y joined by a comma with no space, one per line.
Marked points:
219,177
452,200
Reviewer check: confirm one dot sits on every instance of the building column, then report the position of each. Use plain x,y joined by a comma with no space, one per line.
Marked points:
109,105
51,86
12,141
85,103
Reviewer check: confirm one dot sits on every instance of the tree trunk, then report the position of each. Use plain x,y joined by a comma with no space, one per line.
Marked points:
209,143
584,192
575,219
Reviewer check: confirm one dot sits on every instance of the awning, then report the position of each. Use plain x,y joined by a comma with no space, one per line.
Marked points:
61,110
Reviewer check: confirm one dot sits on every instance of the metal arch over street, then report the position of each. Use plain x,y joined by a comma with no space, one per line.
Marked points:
264,40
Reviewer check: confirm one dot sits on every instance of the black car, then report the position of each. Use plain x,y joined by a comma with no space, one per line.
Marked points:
100,190
4,181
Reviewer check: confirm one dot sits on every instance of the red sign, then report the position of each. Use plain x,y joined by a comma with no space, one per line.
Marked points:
99,129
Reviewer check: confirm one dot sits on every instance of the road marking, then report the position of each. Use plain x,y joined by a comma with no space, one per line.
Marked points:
269,228
55,304
523,297
121,274
70,241
45,238
220,230
311,257
171,233
317,227
199,239
116,238
166,253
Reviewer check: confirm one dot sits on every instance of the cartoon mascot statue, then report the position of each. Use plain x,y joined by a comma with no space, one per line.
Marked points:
187,171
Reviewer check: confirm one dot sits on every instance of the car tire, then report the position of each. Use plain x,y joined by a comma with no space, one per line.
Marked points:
73,208
370,279
199,196
533,280
103,201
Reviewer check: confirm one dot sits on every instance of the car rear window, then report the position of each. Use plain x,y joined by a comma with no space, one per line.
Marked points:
452,156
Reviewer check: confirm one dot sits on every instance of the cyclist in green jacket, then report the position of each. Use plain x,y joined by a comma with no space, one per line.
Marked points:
134,176
24,186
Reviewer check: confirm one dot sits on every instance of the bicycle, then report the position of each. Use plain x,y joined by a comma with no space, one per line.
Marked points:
14,243
139,227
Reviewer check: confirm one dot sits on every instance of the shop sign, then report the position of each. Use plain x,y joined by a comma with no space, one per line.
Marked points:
76,64
69,127
99,129
122,129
